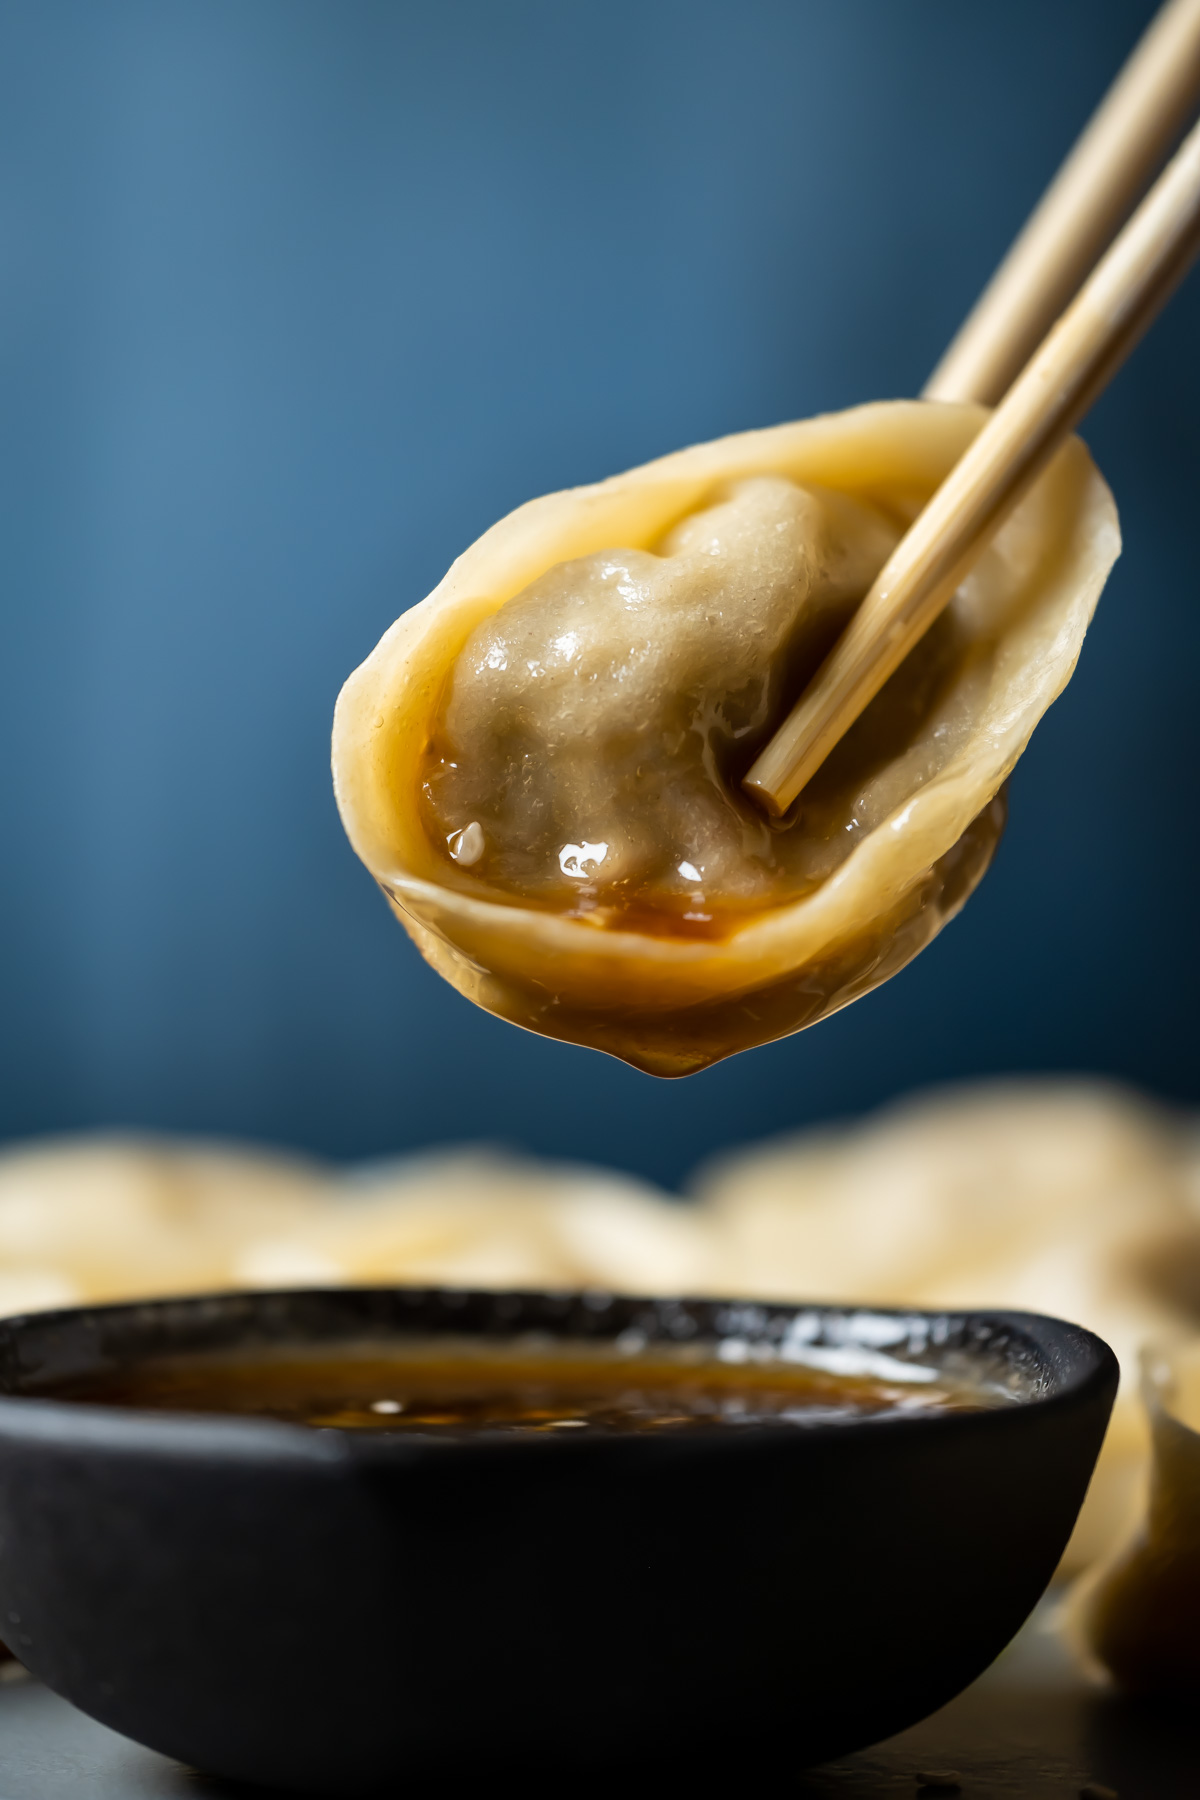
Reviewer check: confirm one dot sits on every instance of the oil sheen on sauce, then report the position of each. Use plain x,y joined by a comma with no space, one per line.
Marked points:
458,1388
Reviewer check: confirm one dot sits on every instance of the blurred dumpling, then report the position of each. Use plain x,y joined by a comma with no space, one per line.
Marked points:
115,1218
490,1219
1139,1615
1068,1198
541,763
103,1218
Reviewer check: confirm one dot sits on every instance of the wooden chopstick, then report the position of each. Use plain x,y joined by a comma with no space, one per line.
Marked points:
1059,383
1092,195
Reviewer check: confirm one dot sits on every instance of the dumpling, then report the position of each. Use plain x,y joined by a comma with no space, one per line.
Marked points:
541,764
111,1217
1136,1616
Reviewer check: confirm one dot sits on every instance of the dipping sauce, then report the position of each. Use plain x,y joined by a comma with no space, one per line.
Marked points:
453,1388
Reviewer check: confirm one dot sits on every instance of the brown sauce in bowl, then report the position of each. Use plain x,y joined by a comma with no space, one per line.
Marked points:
435,1387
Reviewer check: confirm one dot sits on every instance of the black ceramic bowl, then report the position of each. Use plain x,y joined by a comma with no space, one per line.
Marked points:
338,1610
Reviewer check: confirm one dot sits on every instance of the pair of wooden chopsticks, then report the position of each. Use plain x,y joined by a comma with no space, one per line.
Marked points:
1091,196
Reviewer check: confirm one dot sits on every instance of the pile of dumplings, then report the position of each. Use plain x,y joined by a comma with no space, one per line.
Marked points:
1071,1198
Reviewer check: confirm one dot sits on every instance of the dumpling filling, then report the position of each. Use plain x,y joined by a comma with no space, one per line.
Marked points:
596,728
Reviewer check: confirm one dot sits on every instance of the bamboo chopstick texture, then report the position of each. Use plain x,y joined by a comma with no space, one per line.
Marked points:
1077,360
1130,133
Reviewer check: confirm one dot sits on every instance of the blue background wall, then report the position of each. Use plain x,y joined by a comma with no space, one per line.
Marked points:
295,299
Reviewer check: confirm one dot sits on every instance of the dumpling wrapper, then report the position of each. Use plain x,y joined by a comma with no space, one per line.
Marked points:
668,1005
1138,1615
112,1217
102,1218
480,1218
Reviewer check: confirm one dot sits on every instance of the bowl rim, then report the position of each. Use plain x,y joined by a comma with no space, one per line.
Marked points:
1068,1358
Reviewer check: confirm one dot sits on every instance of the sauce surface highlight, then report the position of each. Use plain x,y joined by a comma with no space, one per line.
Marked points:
431,1387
